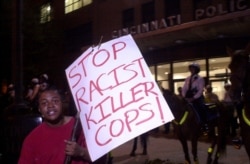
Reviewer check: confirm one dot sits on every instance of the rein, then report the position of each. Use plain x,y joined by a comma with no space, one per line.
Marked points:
244,89
246,79
183,119
246,120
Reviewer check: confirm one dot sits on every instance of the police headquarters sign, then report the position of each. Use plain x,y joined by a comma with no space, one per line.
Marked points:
115,94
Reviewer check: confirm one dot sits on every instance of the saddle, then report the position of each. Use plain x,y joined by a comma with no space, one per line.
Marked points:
211,111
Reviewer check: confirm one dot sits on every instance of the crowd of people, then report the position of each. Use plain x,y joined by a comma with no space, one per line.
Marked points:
30,92
56,127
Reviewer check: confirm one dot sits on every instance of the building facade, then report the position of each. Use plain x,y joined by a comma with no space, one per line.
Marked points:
170,34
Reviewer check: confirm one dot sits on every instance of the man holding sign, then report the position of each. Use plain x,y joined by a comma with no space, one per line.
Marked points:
50,142
115,94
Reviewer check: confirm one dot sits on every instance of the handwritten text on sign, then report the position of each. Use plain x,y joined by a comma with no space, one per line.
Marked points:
115,94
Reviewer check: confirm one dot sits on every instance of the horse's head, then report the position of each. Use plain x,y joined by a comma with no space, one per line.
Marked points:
176,105
239,66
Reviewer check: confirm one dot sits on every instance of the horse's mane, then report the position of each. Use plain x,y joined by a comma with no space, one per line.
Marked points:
239,56
176,104
240,69
170,97
240,89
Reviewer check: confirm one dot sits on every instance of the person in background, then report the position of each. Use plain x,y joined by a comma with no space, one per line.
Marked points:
210,96
226,97
49,142
3,96
192,91
233,116
212,103
179,89
32,93
11,93
31,87
44,81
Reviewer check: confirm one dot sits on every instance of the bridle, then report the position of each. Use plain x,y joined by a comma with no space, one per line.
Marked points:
245,88
245,119
182,120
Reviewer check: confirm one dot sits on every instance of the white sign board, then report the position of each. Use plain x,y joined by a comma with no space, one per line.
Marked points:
116,95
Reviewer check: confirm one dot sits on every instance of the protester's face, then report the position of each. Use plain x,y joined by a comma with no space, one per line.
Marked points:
50,106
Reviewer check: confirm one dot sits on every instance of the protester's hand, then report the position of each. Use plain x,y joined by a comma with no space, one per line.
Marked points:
74,149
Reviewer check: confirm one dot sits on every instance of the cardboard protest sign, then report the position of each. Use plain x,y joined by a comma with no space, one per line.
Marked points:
116,95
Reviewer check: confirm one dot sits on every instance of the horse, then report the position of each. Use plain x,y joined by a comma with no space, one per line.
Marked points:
240,90
187,127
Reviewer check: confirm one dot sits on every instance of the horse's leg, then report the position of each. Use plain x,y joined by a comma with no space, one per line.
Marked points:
134,147
245,138
194,142
185,149
217,155
210,151
247,148
144,138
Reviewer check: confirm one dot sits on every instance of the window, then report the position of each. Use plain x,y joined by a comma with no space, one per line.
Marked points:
46,13
180,69
163,72
218,67
78,37
214,71
148,12
172,7
152,70
181,72
72,5
128,17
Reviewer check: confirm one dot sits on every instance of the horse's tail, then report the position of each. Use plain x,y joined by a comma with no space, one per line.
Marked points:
223,144
144,139
222,135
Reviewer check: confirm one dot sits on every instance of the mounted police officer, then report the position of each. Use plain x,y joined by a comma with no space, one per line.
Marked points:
192,91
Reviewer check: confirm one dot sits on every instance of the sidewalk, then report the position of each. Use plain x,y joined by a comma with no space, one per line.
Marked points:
167,148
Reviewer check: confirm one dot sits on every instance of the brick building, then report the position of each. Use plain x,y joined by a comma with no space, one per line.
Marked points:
170,34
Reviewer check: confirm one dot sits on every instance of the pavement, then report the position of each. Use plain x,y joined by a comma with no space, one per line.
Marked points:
167,148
